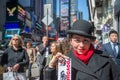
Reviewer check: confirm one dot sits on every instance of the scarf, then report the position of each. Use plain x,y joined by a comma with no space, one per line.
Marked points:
85,57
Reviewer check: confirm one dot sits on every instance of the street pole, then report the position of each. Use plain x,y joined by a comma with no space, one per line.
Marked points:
69,14
47,24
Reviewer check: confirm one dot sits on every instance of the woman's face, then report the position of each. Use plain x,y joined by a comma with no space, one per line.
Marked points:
15,41
28,45
53,48
80,44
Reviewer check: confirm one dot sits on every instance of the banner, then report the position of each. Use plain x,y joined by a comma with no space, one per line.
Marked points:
64,69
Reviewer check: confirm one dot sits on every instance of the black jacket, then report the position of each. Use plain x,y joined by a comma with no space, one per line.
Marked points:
11,57
100,67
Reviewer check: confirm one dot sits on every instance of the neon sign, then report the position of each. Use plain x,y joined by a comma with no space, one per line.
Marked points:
12,25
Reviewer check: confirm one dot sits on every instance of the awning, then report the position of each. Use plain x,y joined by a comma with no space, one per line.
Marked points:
117,7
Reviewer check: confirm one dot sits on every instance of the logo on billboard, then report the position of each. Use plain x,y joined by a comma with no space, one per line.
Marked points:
11,11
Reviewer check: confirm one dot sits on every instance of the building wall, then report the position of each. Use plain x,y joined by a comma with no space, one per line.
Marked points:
2,13
117,16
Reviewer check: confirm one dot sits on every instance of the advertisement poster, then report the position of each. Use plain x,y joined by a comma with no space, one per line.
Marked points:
64,69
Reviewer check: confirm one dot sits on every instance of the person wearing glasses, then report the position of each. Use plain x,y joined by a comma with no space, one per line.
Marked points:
87,62
15,57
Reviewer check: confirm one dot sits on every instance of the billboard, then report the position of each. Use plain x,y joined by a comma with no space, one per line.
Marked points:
21,13
11,25
10,32
64,10
64,1
64,24
11,11
14,12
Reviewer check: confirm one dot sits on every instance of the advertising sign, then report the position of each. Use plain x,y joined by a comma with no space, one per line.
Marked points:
64,1
10,32
64,10
11,11
21,13
64,69
11,25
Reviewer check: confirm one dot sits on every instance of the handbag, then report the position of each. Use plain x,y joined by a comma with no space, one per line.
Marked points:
19,76
8,76
13,76
34,70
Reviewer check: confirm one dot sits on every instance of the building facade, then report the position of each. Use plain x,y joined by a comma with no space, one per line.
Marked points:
117,15
102,14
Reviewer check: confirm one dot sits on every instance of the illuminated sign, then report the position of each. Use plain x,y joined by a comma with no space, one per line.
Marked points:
12,25
10,32
21,10
27,29
11,11
21,13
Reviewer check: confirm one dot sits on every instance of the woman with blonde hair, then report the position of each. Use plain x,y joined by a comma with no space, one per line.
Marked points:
21,43
15,57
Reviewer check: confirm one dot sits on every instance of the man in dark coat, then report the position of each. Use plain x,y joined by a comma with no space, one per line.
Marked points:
44,51
87,63
113,44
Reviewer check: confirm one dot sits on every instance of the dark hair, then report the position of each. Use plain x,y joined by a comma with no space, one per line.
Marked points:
113,31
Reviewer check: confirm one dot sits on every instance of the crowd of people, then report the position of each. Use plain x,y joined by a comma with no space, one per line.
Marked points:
90,59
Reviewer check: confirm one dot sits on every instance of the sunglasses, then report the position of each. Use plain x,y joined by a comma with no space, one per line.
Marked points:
15,39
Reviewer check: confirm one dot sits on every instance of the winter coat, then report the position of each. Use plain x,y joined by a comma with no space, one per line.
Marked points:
11,57
100,67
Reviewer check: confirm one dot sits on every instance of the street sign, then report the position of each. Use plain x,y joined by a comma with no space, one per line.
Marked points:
47,20
47,9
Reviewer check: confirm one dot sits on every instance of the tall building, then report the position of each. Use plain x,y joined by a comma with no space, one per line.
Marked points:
80,15
102,14
2,17
74,9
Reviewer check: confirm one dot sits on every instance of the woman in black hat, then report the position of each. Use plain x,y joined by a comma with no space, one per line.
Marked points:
87,63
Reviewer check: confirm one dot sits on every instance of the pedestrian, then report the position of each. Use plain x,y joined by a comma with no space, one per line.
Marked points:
97,44
55,47
44,52
113,47
15,57
87,63
32,57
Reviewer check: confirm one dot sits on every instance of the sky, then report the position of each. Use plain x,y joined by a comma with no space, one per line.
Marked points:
82,6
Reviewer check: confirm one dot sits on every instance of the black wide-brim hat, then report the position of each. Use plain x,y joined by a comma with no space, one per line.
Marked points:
83,28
